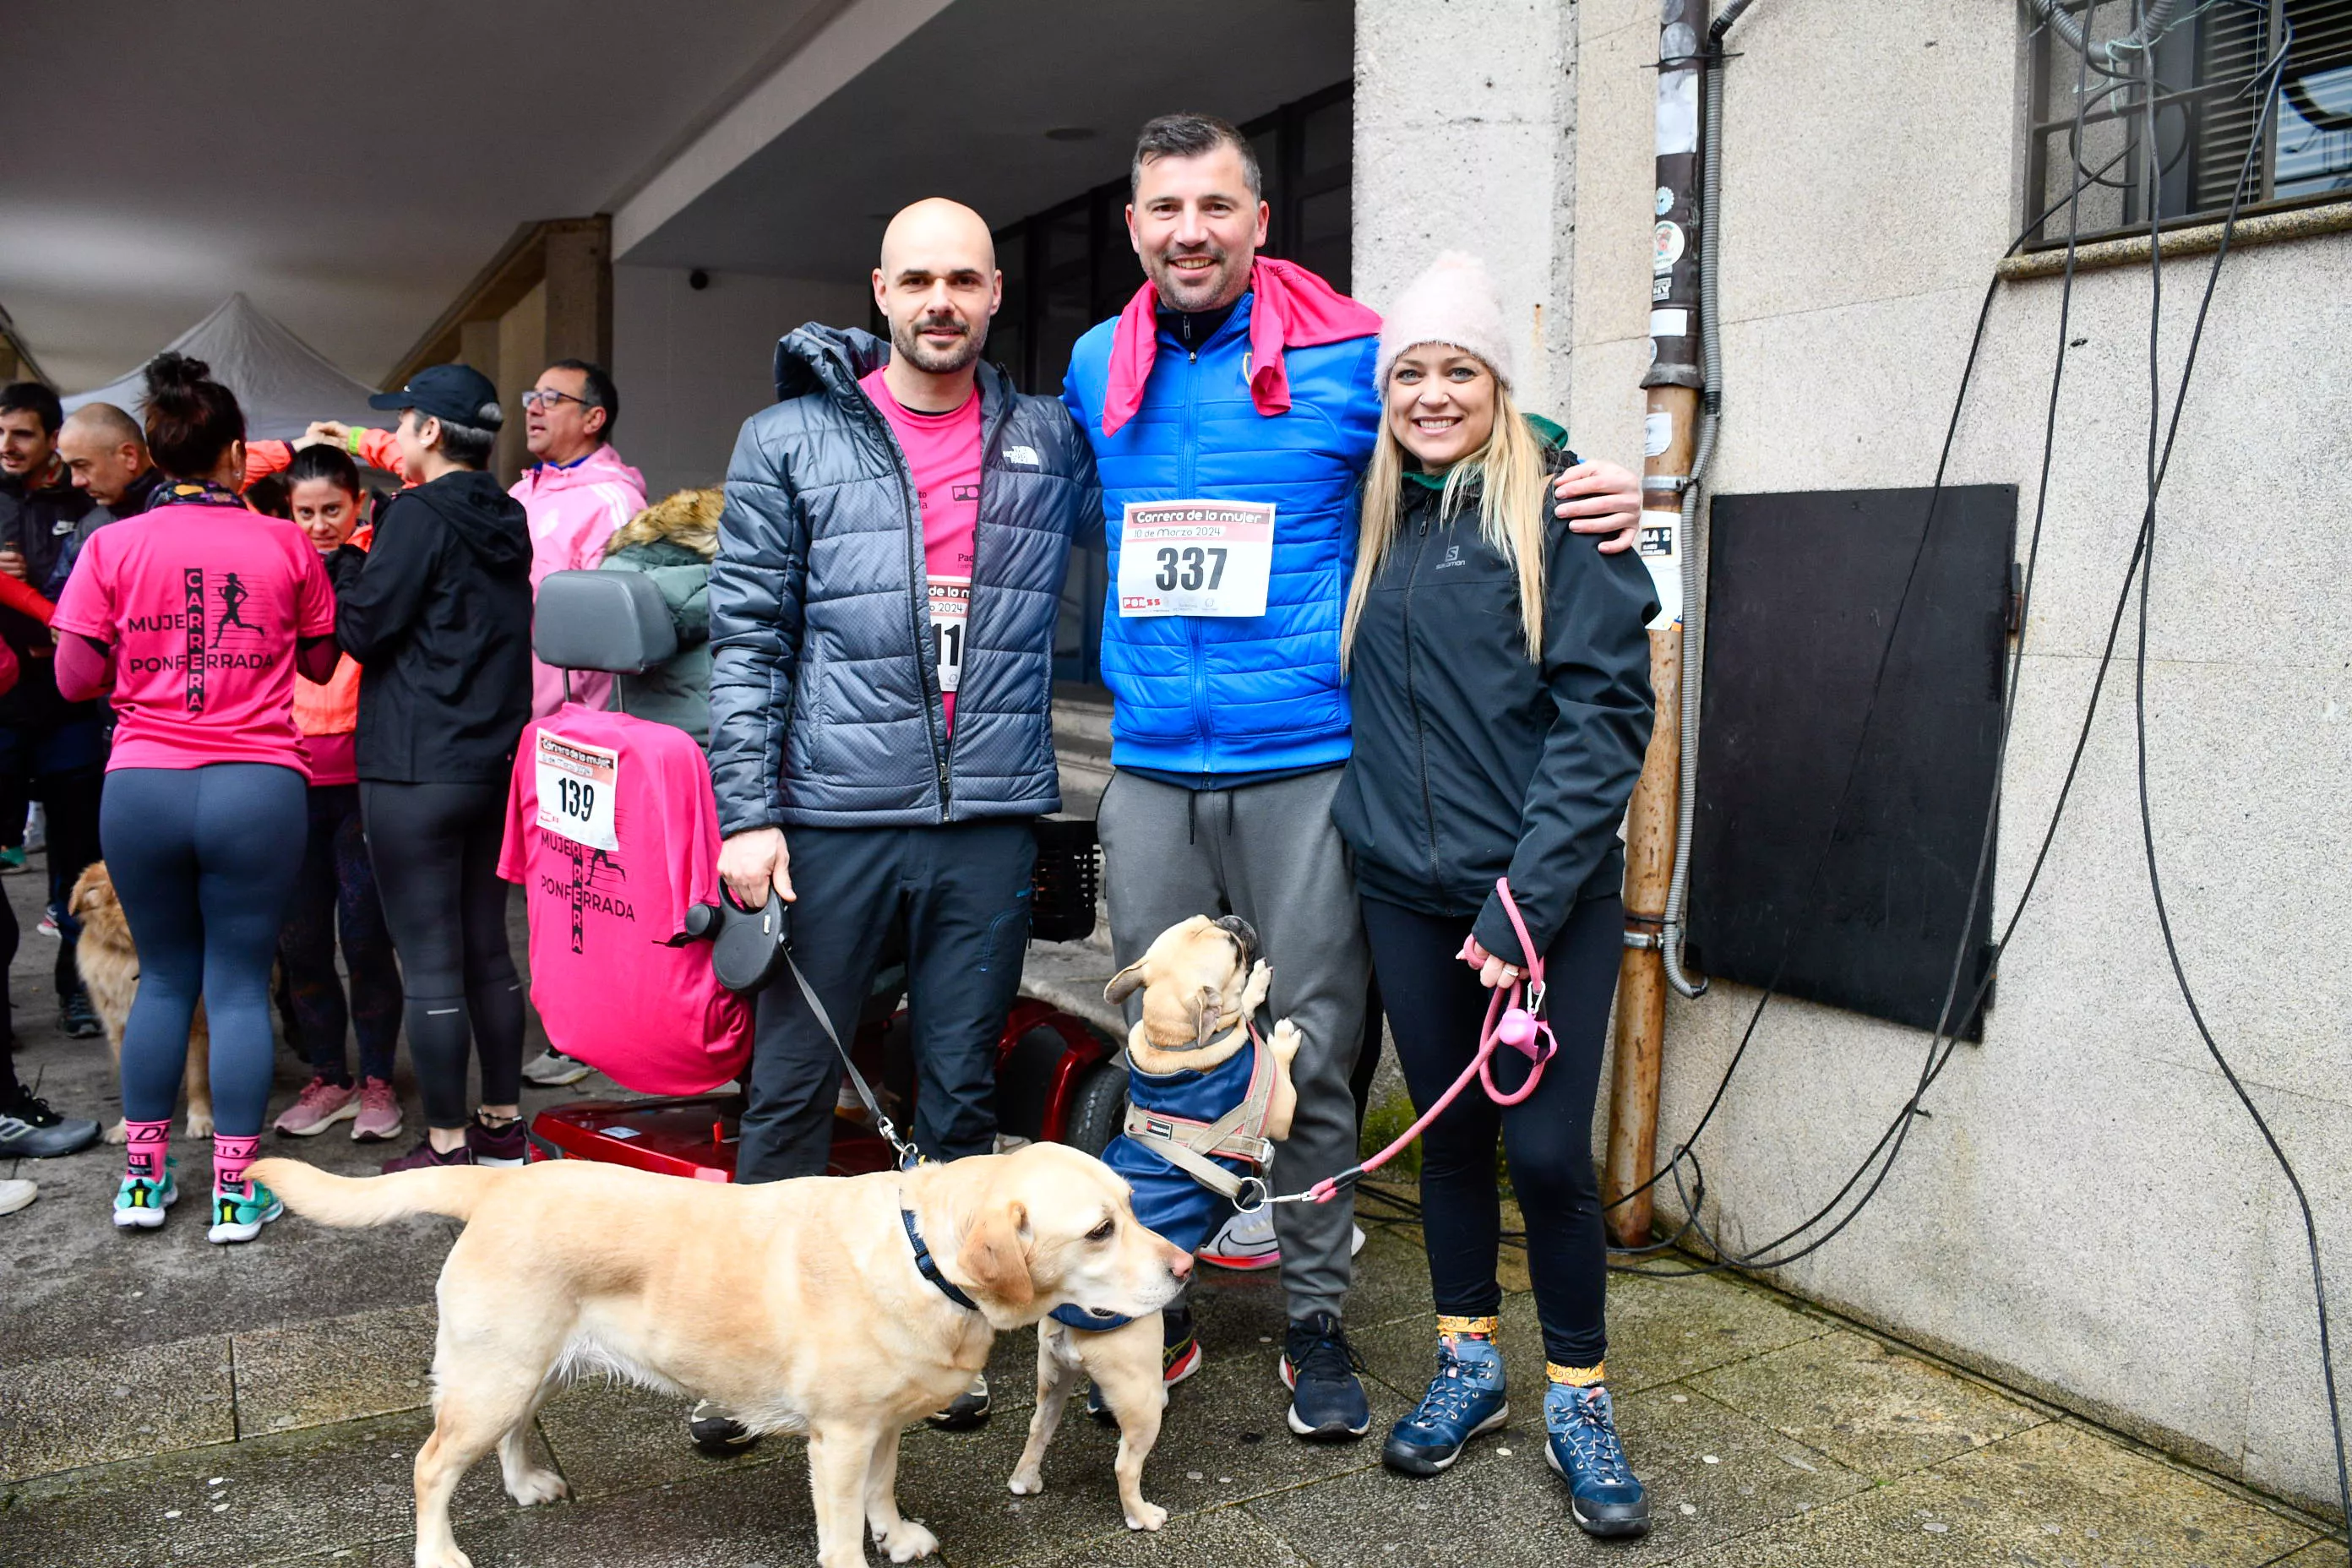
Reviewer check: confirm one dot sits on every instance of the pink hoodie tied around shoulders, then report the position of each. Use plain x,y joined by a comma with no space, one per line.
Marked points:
572,512
1295,309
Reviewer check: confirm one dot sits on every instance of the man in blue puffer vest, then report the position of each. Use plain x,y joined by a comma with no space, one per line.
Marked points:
1232,408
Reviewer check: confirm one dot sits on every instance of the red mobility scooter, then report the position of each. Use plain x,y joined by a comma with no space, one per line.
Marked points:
1056,1076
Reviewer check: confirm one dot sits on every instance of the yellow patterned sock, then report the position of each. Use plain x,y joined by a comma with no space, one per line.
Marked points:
1577,1377
1468,1328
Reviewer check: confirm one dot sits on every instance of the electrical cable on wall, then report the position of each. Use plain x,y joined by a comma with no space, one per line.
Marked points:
2161,435
2128,63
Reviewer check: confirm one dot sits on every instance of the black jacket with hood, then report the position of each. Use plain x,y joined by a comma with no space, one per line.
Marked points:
45,522
440,619
1472,761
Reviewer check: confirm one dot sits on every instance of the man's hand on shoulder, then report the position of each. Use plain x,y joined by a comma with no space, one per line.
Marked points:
1601,497
753,861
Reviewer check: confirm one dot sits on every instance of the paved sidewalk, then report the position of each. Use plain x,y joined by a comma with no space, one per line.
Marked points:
164,1402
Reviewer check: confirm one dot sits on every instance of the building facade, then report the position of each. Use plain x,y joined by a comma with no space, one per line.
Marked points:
2085,1209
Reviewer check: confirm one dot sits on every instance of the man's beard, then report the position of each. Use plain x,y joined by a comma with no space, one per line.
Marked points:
1168,278
905,339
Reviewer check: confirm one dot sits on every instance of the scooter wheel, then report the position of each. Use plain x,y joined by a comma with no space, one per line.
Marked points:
1097,1110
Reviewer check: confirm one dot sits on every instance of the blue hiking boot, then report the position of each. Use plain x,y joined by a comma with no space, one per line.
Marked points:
1602,1494
1326,1397
1464,1399
140,1203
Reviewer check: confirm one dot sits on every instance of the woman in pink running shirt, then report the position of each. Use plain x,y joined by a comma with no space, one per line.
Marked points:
195,616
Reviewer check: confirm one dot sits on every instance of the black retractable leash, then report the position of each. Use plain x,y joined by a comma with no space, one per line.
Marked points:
748,947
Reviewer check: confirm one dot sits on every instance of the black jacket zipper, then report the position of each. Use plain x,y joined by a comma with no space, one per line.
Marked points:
1412,701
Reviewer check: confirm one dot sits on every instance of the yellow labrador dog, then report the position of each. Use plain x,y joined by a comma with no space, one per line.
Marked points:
825,1305
1202,982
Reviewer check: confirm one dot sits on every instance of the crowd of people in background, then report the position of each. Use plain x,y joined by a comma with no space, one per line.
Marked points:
866,618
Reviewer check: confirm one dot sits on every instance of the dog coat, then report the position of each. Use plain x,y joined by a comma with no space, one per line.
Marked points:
1190,1138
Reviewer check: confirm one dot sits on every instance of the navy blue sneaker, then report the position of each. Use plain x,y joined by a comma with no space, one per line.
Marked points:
1327,1398
1464,1399
1602,1494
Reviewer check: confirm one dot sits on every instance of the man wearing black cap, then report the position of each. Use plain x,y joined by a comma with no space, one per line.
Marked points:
437,612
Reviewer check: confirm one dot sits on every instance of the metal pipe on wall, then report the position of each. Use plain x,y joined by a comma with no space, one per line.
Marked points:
1669,440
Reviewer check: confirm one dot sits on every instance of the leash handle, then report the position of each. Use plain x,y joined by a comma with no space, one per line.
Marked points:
1481,1068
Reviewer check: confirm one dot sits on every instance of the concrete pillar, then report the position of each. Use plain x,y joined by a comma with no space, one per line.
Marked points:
579,279
478,346
1465,140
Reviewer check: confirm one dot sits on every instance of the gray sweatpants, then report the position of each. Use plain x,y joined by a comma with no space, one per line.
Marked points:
1268,853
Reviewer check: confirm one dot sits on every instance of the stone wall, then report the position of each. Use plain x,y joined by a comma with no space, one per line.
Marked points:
2089,1212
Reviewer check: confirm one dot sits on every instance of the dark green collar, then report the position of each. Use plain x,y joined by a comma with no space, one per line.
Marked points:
1553,435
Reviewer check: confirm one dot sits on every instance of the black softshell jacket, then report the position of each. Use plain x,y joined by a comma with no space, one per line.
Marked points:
439,619
1470,761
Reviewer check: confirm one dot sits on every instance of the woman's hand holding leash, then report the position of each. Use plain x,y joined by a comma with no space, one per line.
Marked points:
1493,972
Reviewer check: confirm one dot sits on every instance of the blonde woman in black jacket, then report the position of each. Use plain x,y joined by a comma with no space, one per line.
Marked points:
1499,672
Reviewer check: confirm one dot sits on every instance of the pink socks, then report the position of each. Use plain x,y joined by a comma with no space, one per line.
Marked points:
144,1147
230,1157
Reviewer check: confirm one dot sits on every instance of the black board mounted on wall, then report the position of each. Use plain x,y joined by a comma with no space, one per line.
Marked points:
1801,593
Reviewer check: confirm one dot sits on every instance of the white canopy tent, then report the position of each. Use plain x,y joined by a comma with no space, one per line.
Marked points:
282,382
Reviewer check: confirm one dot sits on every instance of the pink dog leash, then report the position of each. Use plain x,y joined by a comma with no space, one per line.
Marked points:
1523,1027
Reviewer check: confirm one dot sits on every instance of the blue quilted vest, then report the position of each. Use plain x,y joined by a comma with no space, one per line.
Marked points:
1202,694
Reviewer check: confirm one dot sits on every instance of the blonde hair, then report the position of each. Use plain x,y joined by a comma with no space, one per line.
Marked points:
1512,475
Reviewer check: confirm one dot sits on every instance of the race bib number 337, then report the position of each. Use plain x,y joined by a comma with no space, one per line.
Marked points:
576,785
1195,558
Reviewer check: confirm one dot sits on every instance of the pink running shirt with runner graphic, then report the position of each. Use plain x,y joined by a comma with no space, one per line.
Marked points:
201,604
943,449
606,883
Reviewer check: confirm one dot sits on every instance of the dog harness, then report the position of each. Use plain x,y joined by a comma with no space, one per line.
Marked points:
1195,1144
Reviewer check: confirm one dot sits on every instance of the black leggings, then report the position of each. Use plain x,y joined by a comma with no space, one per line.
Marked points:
435,851
1435,1007
337,888
199,859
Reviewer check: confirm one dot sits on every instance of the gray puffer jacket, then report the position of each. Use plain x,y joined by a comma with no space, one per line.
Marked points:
824,692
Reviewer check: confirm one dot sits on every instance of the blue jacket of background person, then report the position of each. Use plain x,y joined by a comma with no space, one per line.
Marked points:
1231,695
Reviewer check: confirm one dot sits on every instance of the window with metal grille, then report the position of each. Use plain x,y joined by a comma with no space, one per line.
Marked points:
2205,66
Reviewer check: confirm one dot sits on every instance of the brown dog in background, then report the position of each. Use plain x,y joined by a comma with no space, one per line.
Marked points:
109,971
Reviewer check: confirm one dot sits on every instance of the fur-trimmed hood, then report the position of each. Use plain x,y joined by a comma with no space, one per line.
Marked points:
688,519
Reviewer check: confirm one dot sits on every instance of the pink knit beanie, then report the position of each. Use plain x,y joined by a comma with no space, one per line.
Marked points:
1454,303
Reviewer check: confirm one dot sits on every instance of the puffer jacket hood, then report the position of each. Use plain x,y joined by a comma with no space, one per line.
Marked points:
1472,761
825,696
480,517
671,543
688,519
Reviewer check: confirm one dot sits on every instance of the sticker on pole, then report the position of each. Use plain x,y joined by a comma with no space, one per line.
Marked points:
576,785
1659,543
1195,558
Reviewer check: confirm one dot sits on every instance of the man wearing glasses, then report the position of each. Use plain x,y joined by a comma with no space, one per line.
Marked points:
576,491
